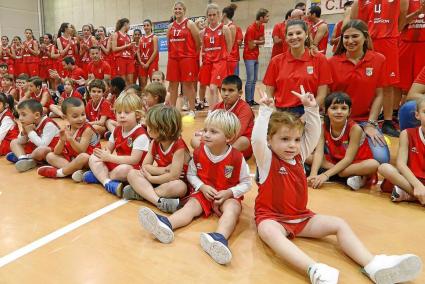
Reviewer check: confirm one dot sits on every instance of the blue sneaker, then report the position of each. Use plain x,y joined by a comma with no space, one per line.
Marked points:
215,244
11,157
114,187
157,225
88,177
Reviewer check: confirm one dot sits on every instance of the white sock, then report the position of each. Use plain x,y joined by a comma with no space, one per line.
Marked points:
106,181
23,156
60,174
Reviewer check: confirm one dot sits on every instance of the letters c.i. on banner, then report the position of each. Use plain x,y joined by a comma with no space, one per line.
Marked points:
328,6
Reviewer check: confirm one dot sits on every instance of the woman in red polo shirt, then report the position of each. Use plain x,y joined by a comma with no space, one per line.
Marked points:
297,67
360,72
123,49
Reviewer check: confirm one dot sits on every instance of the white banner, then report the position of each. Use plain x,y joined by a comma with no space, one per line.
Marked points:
329,6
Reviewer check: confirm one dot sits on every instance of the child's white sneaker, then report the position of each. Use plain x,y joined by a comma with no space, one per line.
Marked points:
322,274
389,269
399,195
157,225
356,182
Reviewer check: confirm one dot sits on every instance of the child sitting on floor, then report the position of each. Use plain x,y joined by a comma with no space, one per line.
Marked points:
8,128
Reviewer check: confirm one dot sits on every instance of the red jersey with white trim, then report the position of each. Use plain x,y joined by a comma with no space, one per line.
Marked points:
338,147
164,159
72,52
323,44
45,55
245,114
415,31
85,58
68,151
28,57
381,17
146,48
284,194
19,51
222,175
73,94
103,108
39,96
233,56
180,41
40,128
104,43
124,145
416,159
5,55
14,130
124,39
214,45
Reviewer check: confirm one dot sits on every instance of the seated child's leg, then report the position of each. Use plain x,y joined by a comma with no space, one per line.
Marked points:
142,186
231,210
320,226
120,172
110,125
241,144
40,153
391,173
275,236
363,168
56,161
80,162
99,169
186,214
16,148
172,189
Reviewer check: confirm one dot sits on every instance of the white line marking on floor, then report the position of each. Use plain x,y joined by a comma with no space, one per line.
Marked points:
59,233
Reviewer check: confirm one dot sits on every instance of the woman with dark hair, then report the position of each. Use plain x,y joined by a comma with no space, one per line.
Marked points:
123,48
147,54
48,59
278,34
86,42
66,44
137,35
104,43
30,55
17,50
237,38
297,67
360,72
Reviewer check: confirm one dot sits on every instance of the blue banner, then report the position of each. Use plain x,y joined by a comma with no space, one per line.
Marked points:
162,44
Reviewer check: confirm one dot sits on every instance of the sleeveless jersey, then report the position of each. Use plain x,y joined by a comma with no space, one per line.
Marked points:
416,159
70,153
214,45
5,57
338,148
164,159
122,40
415,31
39,130
72,52
45,55
85,58
14,130
284,194
222,175
19,51
38,96
180,41
381,17
323,44
28,57
233,56
94,113
124,145
146,48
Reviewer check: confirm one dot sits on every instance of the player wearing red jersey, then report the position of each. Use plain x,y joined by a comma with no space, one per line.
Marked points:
17,50
66,44
318,29
147,54
6,55
86,42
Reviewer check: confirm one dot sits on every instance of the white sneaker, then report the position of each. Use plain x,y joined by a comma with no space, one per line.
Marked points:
389,269
156,225
185,106
399,195
77,176
323,274
356,182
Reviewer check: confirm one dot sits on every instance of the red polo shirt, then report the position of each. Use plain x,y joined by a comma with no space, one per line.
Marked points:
359,81
99,69
253,32
75,74
246,117
421,77
286,73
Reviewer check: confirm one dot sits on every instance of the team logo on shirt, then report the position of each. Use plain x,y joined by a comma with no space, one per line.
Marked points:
310,70
414,150
283,171
421,16
130,142
228,171
199,166
392,74
369,71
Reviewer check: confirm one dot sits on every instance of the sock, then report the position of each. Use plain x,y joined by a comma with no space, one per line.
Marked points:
23,157
106,181
60,174
388,121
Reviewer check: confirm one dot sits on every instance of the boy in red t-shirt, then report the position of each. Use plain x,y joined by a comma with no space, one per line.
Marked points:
98,109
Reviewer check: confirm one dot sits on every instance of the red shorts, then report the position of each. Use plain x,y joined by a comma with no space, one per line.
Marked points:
112,166
293,229
213,73
412,60
19,68
4,147
231,66
387,186
124,66
148,72
207,206
182,70
44,71
389,48
32,69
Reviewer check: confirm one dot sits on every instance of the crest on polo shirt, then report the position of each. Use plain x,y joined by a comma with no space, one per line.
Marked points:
310,70
414,150
130,142
219,32
369,71
228,171
199,166
283,171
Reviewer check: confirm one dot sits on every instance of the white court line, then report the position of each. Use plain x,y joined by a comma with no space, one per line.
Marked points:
59,233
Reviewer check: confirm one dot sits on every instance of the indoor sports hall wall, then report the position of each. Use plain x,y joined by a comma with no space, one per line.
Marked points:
15,16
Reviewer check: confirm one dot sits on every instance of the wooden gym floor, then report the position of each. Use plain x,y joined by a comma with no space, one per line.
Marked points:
112,248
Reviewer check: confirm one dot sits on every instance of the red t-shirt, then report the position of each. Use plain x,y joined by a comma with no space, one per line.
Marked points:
253,32
103,108
359,81
214,45
99,69
75,74
415,31
381,17
279,31
246,117
180,41
421,77
416,160
286,73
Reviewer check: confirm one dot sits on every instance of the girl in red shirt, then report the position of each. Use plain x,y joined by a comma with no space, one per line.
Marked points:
147,54
86,42
67,46
48,59
104,43
406,181
233,57
30,55
287,71
17,51
123,49
348,152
